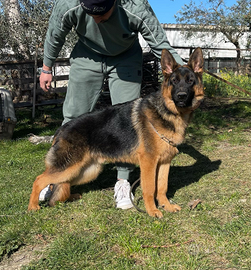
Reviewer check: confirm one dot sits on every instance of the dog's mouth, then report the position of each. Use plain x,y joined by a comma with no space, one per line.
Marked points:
180,104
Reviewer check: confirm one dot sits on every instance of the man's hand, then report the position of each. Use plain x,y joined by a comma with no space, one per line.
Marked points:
45,79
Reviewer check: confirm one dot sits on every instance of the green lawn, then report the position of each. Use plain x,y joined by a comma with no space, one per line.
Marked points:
214,165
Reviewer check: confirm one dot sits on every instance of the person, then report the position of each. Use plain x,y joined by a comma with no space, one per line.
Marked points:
108,46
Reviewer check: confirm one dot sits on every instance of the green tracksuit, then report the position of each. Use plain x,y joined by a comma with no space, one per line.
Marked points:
106,49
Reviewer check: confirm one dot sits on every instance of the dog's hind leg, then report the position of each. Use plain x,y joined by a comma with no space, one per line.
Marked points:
40,183
52,177
162,185
62,193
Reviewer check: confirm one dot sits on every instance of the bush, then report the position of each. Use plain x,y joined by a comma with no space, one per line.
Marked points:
214,87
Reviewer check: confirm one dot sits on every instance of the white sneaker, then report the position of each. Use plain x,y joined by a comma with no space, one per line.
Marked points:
45,194
121,194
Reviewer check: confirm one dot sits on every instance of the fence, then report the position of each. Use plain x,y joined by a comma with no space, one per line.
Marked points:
22,78
217,59
217,64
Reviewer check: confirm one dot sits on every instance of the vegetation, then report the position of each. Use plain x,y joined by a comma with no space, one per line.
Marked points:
215,17
213,165
23,28
217,88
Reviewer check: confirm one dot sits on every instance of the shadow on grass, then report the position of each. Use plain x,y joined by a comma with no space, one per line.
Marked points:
181,176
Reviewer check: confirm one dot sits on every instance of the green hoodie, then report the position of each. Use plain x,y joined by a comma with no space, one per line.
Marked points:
110,38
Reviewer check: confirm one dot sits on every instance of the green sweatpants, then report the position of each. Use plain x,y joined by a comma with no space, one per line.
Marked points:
86,78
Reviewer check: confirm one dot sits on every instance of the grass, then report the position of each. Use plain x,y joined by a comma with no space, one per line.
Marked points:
213,165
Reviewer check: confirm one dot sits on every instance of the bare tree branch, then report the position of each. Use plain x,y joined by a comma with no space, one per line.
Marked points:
233,22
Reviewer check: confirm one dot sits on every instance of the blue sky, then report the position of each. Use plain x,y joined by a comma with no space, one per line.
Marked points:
165,9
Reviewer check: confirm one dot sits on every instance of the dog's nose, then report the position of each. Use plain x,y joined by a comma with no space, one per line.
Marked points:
182,95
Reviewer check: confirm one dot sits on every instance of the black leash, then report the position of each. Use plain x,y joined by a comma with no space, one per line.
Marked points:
130,194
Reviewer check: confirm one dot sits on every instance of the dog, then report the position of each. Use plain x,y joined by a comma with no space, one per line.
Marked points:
145,131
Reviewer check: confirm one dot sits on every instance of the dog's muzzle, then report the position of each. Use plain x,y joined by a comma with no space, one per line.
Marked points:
183,98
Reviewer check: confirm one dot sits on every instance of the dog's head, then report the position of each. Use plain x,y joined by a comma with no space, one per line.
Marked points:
182,85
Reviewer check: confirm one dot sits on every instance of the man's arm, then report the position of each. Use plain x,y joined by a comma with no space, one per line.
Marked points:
58,28
154,34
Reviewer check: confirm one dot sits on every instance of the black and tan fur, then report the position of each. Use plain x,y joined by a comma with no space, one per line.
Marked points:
145,131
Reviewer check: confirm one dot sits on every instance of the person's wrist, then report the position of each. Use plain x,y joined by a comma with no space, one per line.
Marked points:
46,71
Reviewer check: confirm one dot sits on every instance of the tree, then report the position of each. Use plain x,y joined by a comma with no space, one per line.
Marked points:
233,22
13,18
23,27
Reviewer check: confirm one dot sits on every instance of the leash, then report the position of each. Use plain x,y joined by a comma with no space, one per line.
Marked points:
163,137
130,194
131,199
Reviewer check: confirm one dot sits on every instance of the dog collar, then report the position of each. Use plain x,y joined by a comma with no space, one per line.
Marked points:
163,137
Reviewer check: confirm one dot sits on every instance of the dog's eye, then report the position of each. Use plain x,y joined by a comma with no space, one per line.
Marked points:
175,80
190,80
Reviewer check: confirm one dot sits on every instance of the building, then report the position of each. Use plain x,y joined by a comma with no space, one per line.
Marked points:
218,52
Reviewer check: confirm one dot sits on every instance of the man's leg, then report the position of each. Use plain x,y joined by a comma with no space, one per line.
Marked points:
125,77
85,82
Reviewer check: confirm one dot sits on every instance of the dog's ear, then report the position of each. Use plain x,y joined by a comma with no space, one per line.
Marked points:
168,63
196,61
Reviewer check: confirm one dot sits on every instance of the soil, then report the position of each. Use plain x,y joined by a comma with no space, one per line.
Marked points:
22,257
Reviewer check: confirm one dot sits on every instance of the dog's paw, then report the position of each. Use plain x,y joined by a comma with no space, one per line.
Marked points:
75,197
155,213
172,208
33,207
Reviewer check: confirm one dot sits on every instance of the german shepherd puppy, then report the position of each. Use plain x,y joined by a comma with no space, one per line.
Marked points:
145,131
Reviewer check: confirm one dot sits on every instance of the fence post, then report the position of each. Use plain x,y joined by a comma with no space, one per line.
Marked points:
190,51
35,84
208,61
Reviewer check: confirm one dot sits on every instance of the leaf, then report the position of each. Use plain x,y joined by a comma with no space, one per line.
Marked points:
193,204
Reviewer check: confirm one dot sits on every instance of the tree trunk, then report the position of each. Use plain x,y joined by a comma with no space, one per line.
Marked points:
238,57
17,33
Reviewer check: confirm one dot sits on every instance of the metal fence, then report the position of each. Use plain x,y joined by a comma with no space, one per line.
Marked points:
20,77
221,59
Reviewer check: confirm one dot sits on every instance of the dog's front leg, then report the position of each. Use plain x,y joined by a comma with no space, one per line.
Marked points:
162,186
148,175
